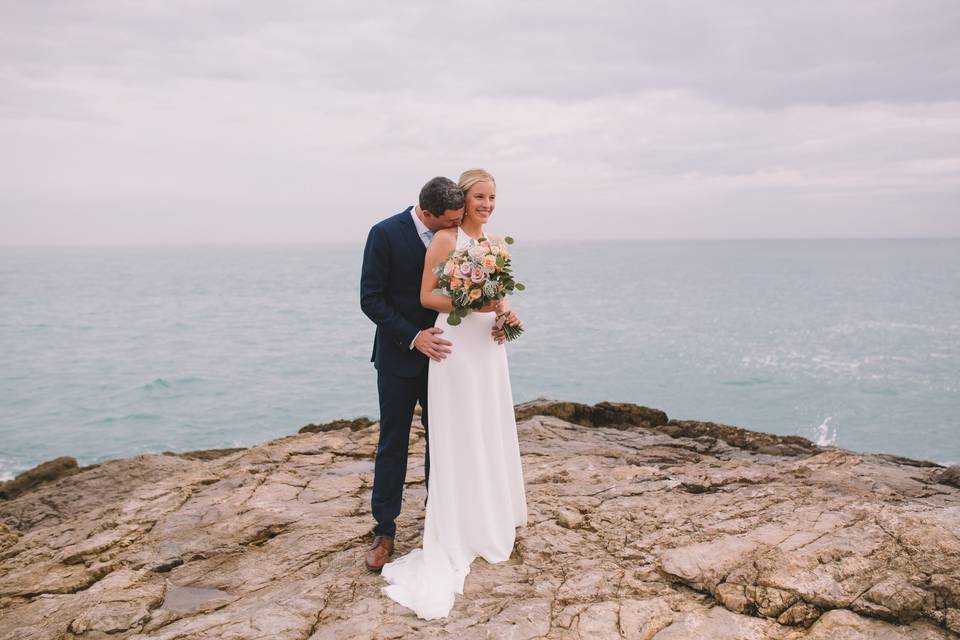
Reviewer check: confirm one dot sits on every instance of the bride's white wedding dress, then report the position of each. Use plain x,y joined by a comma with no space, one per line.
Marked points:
476,495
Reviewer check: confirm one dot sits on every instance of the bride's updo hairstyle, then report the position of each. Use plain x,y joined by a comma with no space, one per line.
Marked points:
471,177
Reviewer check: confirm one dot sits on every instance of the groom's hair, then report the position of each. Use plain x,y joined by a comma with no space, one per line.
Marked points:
439,195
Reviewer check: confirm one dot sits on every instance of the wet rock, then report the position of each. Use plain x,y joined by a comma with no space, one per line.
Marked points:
188,599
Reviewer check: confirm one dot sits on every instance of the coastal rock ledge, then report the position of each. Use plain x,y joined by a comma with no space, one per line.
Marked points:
639,527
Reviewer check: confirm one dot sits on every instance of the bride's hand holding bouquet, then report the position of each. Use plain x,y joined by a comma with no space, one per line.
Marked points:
479,277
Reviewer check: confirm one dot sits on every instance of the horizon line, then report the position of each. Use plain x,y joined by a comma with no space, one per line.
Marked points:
539,241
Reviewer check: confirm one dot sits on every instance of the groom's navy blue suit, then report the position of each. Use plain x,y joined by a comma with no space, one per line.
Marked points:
390,296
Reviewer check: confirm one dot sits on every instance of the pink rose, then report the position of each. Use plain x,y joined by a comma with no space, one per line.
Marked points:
478,275
448,268
466,269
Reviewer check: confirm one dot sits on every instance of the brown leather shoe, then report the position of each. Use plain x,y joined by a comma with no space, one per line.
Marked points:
379,552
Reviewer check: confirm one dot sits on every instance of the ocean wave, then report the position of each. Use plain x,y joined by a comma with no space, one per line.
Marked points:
8,470
883,391
825,435
847,328
796,361
748,382
130,416
163,383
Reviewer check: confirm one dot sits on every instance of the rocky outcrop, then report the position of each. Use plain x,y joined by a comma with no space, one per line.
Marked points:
740,438
354,425
46,472
619,415
639,527
950,476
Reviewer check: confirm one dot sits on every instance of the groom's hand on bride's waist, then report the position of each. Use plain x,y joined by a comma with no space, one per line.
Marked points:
429,343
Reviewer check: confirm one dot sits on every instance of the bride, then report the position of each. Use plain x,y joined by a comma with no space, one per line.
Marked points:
475,497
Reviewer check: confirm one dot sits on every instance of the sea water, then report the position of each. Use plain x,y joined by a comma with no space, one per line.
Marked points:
108,352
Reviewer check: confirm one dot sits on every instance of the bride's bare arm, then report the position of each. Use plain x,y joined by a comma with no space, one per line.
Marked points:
444,241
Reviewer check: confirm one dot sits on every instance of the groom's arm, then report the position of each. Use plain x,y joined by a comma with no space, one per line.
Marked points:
373,283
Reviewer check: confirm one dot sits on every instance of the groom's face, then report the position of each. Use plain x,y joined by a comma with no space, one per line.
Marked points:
450,218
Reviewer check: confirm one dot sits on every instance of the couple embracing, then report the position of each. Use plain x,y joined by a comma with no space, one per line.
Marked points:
458,373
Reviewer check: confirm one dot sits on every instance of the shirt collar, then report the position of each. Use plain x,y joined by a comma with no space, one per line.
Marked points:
421,228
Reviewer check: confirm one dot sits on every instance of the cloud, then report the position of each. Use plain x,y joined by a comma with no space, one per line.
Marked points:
178,122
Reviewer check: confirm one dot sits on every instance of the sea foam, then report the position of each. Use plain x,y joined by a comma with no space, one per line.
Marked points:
826,436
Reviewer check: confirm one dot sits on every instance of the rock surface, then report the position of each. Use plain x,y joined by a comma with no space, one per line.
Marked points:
639,527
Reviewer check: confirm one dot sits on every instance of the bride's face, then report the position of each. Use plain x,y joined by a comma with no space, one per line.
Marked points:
480,201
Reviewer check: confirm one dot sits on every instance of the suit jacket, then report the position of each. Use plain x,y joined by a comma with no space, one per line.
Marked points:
390,294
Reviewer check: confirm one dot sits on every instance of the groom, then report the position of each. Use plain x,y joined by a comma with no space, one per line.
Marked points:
405,339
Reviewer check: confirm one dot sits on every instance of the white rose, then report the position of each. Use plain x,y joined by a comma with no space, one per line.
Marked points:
477,252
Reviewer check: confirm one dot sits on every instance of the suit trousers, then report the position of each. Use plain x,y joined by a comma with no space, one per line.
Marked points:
398,397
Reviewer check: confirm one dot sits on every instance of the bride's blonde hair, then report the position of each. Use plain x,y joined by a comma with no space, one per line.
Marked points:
471,177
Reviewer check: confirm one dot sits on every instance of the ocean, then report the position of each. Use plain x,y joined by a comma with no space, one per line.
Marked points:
116,351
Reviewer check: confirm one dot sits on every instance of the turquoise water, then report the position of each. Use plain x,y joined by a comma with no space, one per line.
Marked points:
110,352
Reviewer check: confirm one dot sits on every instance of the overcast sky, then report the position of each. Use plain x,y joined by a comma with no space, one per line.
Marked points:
184,122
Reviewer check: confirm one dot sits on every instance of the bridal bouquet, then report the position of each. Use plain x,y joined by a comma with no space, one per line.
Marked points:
476,274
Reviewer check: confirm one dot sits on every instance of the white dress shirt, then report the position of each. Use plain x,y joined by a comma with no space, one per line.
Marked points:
421,228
